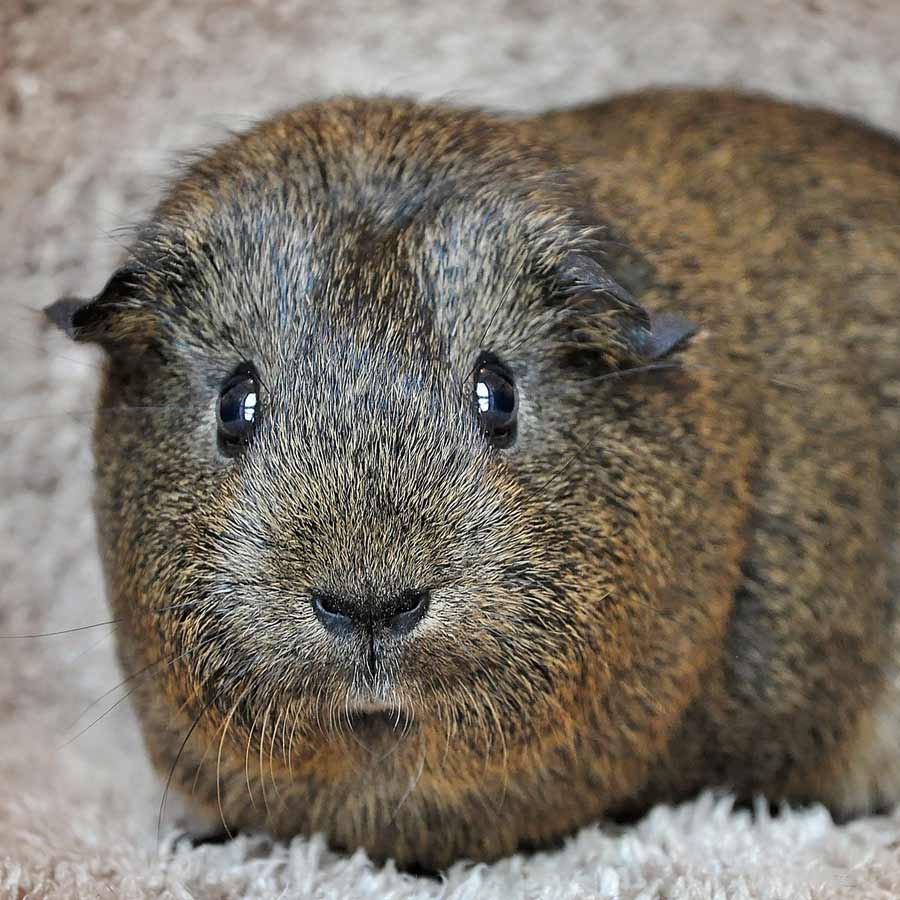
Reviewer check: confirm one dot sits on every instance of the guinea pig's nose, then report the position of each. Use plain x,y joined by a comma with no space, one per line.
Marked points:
399,615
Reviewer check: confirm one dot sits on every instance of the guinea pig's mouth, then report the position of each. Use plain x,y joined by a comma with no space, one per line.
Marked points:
375,720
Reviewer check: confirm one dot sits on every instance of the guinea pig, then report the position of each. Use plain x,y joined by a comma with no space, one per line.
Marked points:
464,479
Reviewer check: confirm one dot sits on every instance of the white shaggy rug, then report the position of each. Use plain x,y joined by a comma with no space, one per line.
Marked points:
95,98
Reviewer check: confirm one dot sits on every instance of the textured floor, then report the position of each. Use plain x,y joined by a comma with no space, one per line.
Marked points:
96,99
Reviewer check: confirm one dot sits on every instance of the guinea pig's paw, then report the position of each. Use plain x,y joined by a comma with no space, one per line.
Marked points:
200,838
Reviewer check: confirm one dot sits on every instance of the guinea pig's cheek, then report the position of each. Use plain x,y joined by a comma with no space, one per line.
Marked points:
445,647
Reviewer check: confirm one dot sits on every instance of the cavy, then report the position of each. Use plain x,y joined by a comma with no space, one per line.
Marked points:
461,480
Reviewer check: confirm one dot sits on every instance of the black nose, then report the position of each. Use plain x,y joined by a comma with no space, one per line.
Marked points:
398,615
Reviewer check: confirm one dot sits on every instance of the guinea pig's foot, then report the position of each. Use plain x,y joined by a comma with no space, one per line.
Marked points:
420,871
198,839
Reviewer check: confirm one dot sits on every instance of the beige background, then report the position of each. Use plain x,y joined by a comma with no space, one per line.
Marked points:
96,101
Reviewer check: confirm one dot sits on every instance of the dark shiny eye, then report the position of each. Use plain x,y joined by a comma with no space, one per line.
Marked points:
496,402
238,410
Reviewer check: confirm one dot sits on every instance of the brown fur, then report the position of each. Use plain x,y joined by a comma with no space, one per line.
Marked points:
678,576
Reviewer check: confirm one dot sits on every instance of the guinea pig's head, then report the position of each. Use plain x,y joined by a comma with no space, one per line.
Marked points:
366,452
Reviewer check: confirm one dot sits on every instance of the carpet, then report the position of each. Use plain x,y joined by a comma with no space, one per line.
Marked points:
96,101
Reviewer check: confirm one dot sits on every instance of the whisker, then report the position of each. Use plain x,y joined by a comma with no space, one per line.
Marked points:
199,769
660,612
451,726
464,382
556,473
92,647
401,737
284,751
44,634
11,341
104,695
635,370
290,751
619,374
125,681
225,728
262,770
103,411
244,361
187,737
103,715
414,783
271,755
247,762
505,757
22,637
170,661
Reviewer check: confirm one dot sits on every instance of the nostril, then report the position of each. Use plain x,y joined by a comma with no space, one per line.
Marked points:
333,612
331,606
407,610
410,600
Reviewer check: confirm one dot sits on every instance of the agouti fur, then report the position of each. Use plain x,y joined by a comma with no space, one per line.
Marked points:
682,573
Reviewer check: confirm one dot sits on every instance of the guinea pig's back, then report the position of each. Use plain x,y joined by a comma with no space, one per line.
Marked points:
778,230
774,225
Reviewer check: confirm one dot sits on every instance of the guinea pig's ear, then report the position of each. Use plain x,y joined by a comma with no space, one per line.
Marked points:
112,316
605,317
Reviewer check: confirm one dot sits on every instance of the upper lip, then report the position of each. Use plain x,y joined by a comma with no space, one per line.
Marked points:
363,707
373,706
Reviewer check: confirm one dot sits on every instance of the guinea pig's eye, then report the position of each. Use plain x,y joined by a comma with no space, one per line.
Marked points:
238,410
496,402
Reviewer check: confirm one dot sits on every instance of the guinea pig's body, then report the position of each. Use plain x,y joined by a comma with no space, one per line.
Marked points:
649,556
